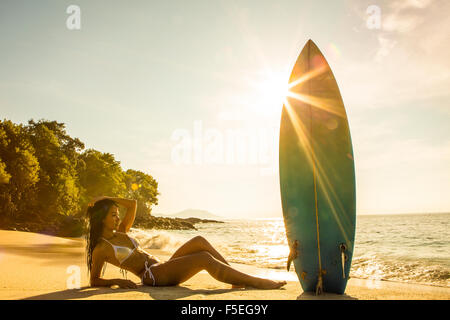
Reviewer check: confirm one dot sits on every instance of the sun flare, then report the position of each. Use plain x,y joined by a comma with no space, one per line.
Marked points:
271,90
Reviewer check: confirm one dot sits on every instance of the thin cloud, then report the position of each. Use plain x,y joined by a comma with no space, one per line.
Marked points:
408,21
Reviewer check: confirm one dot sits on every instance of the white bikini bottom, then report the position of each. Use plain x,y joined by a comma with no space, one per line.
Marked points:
149,271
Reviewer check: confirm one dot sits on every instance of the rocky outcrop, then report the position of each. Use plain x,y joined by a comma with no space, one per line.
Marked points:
68,226
198,220
61,226
152,222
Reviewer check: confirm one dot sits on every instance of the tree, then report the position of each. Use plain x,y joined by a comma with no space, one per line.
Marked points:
47,182
19,171
4,175
57,190
143,188
99,174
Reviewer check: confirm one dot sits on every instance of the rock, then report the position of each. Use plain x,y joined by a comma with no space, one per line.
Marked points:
151,222
71,227
193,220
74,226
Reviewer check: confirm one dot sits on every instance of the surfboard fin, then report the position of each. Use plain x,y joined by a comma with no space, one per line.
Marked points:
293,253
344,257
319,286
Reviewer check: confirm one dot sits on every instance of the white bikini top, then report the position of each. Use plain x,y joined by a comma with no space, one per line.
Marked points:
123,253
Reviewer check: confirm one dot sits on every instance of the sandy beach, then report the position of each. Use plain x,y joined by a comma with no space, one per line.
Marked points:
37,266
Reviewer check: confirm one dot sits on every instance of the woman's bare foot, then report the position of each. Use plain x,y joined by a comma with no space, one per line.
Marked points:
269,284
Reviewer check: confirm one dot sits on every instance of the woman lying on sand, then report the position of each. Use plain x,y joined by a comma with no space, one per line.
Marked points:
107,241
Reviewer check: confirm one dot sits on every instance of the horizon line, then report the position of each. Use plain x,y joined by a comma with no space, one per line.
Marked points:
281,216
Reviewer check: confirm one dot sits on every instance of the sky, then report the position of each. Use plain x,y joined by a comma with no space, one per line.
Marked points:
191,92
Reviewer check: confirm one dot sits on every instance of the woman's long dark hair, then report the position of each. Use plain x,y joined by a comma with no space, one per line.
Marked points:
95,216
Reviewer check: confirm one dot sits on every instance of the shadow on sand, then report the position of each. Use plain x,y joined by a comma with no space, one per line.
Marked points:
156,293
48,254
324,296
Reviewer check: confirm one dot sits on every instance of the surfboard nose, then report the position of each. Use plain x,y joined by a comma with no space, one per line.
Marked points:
311,43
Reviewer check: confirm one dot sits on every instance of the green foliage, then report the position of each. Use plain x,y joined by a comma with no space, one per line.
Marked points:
144,189
44,174
57,188
100,174
4,176
19,170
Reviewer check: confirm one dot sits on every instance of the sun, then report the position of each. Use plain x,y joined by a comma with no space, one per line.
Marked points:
270,91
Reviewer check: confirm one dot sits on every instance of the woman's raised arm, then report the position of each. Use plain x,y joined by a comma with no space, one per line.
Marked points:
130,215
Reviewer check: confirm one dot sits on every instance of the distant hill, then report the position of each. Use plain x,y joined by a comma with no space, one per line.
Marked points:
194,213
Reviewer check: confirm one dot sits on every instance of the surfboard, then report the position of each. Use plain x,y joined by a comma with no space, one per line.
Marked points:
317,176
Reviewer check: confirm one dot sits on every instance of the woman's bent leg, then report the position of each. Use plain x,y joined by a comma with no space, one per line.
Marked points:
198,244
178,270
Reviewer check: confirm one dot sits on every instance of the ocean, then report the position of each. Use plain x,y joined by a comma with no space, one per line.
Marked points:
412,248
